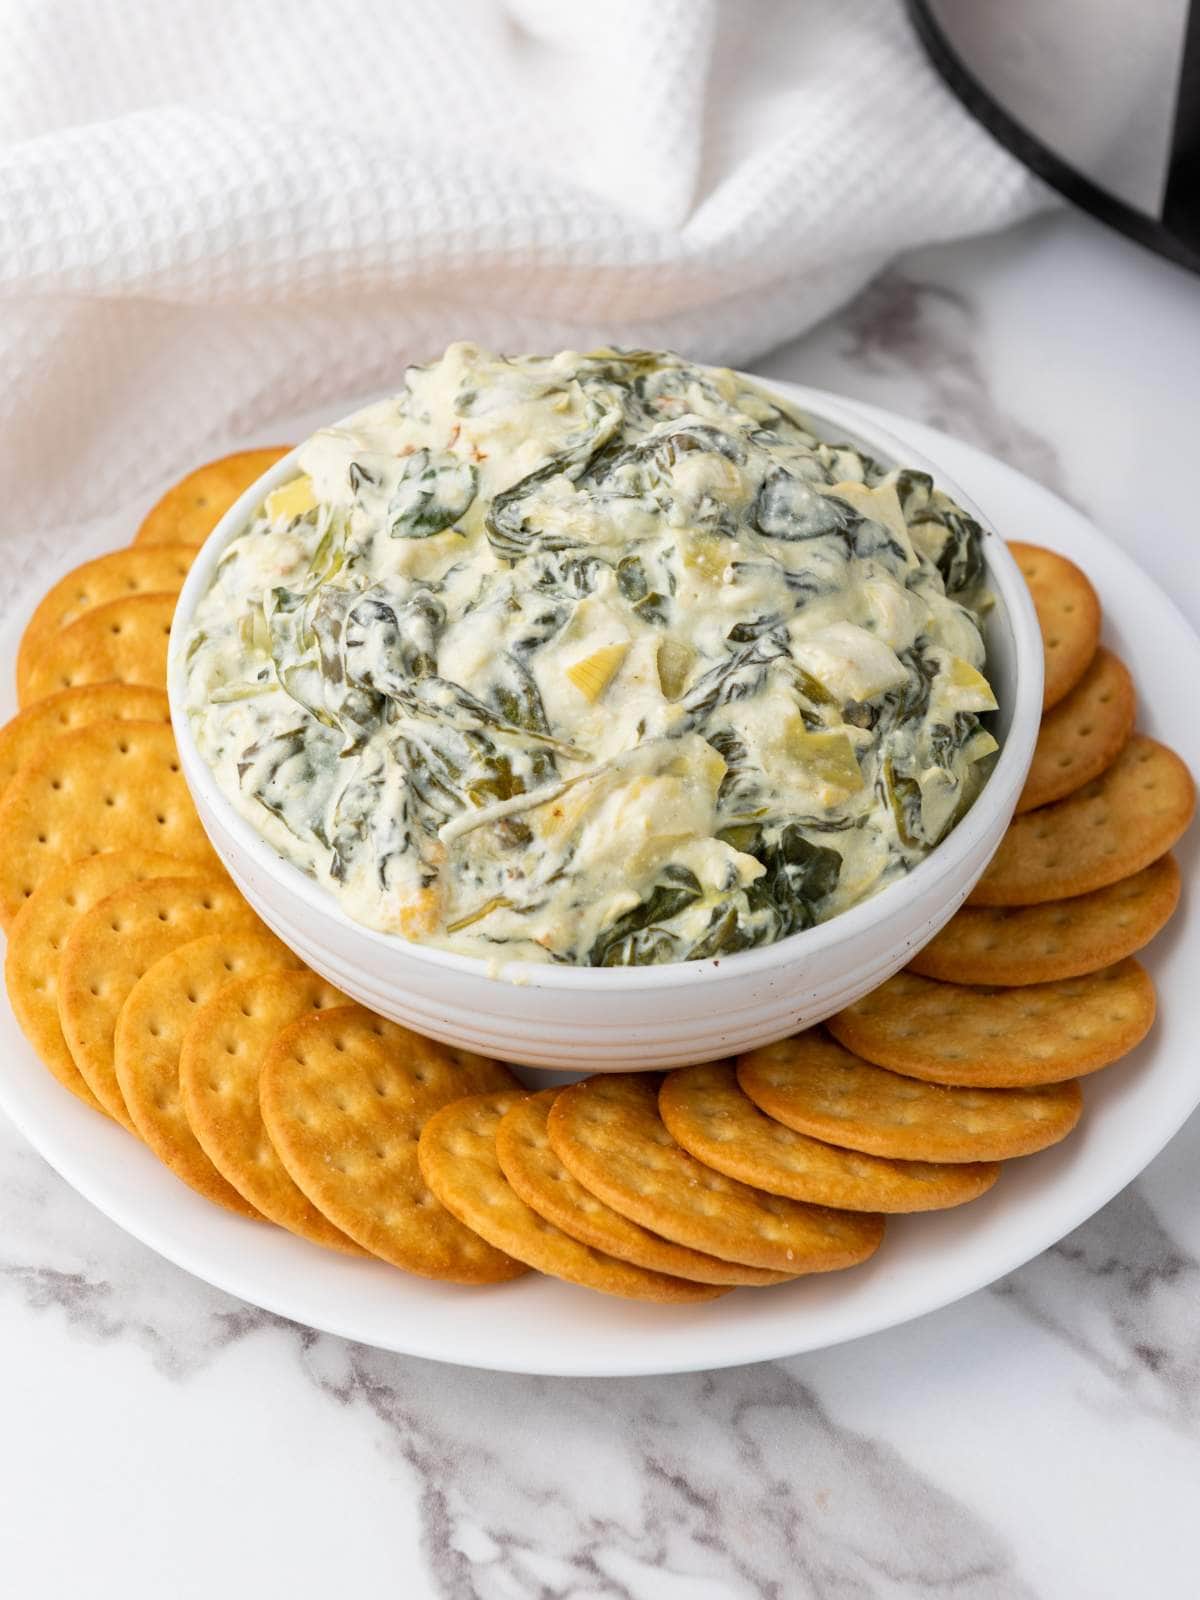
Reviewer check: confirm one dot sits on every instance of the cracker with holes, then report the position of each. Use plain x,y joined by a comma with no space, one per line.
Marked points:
106,786
608,1134
1106,831
114,944
810,1083
191,509
459,1162
1083,734
124,641
220,1061
34,728
1006,945
708,1114
1068,613
544,1184
36,939
1000,1038
344,1096
149,1037
158,569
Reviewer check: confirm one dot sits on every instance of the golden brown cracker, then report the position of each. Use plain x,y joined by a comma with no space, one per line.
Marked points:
459,1162
1006,945
36,939
32,729
118,940
191,509
999,1038
814,1085
1084,733
344,1096
608,1134
149,1037
541,1180
219,1065
1068,613
124,641
709,1115
157,569
106,786
1106,831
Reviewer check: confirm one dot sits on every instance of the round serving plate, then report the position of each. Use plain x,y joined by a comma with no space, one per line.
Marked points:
538,1325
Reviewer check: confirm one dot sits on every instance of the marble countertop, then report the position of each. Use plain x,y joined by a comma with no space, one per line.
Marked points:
1039,1439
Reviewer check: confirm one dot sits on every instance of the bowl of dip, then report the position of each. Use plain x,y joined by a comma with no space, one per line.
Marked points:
604,712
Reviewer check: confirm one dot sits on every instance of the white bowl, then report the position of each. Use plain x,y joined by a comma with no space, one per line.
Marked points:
628,1019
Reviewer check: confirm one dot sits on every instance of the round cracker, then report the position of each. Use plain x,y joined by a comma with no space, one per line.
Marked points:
543,1183
1007,945
106,786
459,1161
149,1037
1106,831
813,1085
608,1134
110,948
1084,733
219,1067
191,509
157,569
124,641
36,939
344,1096
710,1116
999,1038
1068,613
34,728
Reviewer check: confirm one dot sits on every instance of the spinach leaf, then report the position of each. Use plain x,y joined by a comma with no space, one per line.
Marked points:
436,488
799,876
789,508
635,939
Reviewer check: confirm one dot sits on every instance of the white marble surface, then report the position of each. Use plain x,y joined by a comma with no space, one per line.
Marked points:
1041,1439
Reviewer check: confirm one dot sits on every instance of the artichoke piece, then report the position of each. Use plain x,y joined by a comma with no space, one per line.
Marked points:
594,673
436,488
969,689
291,500
675,661
826,757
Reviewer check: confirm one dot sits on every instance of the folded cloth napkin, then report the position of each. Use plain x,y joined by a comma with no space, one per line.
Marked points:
214,212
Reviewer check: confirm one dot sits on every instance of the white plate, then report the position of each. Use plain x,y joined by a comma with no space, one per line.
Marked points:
540,1326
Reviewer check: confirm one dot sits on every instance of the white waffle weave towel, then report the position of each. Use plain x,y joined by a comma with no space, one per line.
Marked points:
214,212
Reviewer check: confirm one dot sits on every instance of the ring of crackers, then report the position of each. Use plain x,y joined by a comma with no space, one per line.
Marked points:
1010,945
709,1115
114,944
608,1134
105,786
999,1038
810,1083
151,1028
156,569
191,508
1108,830
344,1098
220,1062
459,1163
540,1179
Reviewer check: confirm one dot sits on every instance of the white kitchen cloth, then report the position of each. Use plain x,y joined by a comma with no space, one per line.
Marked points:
214,212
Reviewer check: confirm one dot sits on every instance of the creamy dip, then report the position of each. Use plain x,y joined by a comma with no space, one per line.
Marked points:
602,658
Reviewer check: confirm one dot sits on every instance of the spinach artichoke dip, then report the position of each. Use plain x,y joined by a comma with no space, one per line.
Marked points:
603,659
